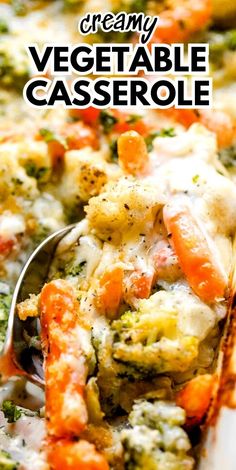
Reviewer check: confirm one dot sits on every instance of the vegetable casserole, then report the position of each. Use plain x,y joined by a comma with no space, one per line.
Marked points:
138,293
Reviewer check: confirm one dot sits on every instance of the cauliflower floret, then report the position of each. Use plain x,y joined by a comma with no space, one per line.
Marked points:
156,440
14,179
164,334
14,64
118,389
34,157
124,205
85,174
29,307
196,142
224,12
48,213
212,194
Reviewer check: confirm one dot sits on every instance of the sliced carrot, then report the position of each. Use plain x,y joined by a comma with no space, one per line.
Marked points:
56,150
65,366
7,366
89,115
71,455
110,292
222,124
195,397
6,246
140,285
195,256
184,116
78,135
179,23
125,124
132,153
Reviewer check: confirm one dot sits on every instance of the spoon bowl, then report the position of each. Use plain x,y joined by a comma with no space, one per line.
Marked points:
28,360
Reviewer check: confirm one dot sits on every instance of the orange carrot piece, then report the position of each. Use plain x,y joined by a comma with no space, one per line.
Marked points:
71,455
65,367
89,115
195,397
125,124
179,23
132,153
195,256
222,124
6,246
78,135
140,285
73,136
110,293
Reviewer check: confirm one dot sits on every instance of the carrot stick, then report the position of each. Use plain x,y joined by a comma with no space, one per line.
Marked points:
195,256
71,455
132,153
195,397
65,366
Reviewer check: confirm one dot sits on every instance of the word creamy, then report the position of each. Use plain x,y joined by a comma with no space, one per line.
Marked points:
122,22
60,64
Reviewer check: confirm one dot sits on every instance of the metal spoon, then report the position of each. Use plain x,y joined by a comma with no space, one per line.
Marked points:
28,361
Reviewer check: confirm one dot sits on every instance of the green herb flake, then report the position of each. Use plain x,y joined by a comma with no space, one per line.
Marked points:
72,3
220,43
40,234
133,118
47,134
195,179
14,66
6,461
228,157
17,181
74,270
137,6
42,171
231,39
113,151
11,412
165,132
4,28
19,7
5,302
51,136
34,171
107,121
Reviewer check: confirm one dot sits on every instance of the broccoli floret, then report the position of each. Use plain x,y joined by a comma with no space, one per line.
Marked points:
108,380
6,462
228,157
219,44
163,335
107,121
20,7
36,172
72,3
156,441
118,383
11,412
14,67
150,340
5,302
4,28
